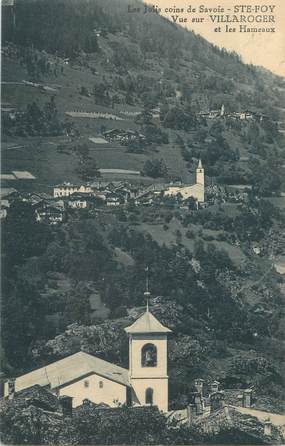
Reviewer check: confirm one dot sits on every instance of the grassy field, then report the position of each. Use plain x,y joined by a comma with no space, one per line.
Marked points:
169,237
39,155
278,201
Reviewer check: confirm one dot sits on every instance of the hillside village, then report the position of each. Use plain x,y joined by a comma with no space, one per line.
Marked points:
138,156
53,209
100,195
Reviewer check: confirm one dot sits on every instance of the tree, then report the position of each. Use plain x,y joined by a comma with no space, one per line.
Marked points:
155,168
91,43
101,94
83,151
177,118
87,169
77,304
22,236
22,314
191,203
266,177
84,91
154,135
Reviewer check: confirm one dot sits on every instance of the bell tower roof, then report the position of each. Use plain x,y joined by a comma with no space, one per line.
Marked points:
147,323
200,164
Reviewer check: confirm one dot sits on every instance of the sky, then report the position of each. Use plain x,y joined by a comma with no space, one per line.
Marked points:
265,49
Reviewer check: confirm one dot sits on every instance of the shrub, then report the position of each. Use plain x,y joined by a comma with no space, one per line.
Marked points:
190,234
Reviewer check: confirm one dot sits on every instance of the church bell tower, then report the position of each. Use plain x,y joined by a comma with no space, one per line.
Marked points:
200,174
148,361
200,182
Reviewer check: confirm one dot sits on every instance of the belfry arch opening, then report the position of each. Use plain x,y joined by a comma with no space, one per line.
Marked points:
149,355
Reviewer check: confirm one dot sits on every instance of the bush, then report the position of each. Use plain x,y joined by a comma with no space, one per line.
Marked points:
190,234
208,237
155,168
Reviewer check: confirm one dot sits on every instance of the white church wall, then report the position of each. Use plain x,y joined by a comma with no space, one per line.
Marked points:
196,191
97,389
160,391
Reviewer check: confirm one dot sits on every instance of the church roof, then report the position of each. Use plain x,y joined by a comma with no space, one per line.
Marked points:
70,369
147,323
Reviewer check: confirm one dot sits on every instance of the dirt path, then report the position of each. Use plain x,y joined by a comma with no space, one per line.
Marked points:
276,419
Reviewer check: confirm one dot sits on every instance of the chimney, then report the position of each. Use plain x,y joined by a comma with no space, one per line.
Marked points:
198,404
11,388
216,401
66,405
247,398
215,386
267,427
190,414
199,385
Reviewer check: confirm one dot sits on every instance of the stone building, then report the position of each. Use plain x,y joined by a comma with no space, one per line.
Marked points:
67,189
196,190
82,376
148,361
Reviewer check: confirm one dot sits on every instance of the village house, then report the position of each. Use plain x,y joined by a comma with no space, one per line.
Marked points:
3,213
197,190
242,116
79,201
212,410
100,196
34,199
113,200
114,193
97,32
147,195
212,114
126,190
50,213
123,136
67,189
5,204
82,376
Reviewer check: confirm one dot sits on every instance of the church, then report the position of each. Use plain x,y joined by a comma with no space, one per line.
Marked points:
196,190
83,376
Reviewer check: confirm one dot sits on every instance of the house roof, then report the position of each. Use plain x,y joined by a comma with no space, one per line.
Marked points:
147,323
66,185
79,196
8,2
72,368
5,191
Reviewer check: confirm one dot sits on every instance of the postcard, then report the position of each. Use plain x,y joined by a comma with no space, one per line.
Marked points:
142,220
